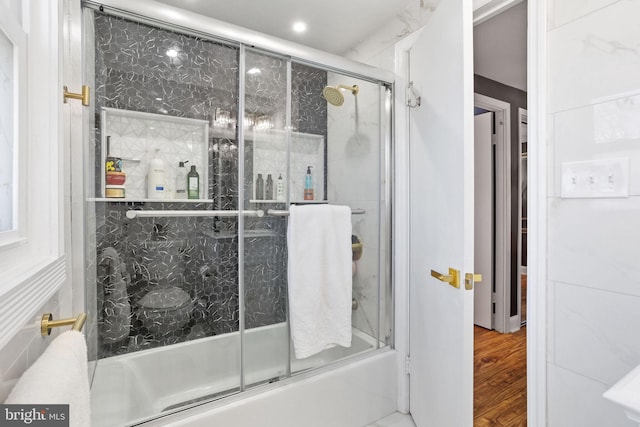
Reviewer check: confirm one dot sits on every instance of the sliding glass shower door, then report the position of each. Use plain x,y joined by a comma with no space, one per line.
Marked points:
198,147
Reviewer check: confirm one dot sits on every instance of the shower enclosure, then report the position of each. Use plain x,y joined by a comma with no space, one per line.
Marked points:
186,282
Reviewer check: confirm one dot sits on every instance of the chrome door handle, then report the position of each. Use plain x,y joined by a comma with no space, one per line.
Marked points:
453,278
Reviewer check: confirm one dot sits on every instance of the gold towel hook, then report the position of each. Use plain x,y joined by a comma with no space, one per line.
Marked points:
46,324
84,96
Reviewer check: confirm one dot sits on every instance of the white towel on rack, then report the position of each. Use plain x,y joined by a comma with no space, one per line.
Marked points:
319,277
58,376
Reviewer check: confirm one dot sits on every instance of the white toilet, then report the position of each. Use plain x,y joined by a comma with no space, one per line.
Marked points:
166,308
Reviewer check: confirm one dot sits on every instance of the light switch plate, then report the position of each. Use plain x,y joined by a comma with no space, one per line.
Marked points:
595,179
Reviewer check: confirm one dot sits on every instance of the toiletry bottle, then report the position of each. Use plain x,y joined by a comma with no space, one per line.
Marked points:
268,191
156,179
259,187
308,185
181,181
193,184
280,189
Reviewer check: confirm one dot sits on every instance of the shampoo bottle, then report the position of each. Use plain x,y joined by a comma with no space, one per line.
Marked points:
181,181
193,184
268,191
280,189
308,185
259,187
156,179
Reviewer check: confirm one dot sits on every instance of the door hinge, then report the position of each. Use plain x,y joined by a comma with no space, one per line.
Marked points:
494,139
407,365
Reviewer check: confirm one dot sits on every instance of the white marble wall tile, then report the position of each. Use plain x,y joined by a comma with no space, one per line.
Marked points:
365,281
551,123
353,179
365,226
564,11
377,49
551,321
595,56
596,332
576,401
606,130
353,144
594,243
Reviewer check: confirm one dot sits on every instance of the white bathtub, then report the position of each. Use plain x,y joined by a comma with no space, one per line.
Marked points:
131,388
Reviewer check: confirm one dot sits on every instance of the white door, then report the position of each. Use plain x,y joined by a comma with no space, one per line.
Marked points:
441,206
483,218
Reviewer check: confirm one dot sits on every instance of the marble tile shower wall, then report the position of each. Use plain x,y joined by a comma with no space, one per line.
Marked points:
134,73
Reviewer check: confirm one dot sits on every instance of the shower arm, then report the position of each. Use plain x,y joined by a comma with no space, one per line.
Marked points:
354,89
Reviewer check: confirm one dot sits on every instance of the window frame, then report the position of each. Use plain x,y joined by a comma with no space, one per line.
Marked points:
17,36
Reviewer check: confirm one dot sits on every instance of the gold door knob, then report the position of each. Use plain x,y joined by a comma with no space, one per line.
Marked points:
453,278
470,279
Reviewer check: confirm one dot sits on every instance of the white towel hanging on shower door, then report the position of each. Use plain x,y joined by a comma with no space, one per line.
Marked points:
319,277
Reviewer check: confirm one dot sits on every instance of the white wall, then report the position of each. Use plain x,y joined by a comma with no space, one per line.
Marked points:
593,253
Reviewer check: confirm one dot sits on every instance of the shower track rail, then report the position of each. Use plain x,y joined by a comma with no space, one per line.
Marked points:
131,214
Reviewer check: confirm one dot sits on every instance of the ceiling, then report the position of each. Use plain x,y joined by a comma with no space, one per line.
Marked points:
337,26
332,25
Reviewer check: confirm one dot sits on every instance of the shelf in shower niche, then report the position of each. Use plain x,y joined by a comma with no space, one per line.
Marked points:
145,136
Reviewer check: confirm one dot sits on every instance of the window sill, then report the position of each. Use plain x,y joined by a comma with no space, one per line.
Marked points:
27,287
12,243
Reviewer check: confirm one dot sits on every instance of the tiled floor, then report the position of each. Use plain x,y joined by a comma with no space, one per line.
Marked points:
394,420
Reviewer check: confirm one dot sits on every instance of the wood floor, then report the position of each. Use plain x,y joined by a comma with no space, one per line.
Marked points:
500,379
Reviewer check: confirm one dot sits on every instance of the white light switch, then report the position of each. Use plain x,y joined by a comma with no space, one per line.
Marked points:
595,178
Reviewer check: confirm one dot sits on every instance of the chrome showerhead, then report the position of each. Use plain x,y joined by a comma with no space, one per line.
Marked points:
333,95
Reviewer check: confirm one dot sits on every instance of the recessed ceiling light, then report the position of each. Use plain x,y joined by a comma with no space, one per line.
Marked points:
172,53
254,71
299,27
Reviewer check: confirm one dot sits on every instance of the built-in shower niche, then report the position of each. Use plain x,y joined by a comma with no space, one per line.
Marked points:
137,137
288,154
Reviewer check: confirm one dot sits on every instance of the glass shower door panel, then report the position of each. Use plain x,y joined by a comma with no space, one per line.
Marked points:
348,173
265,337
166,291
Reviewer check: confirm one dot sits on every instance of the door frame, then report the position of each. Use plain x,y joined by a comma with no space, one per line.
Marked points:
501,320
401,216
537,13
536,216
